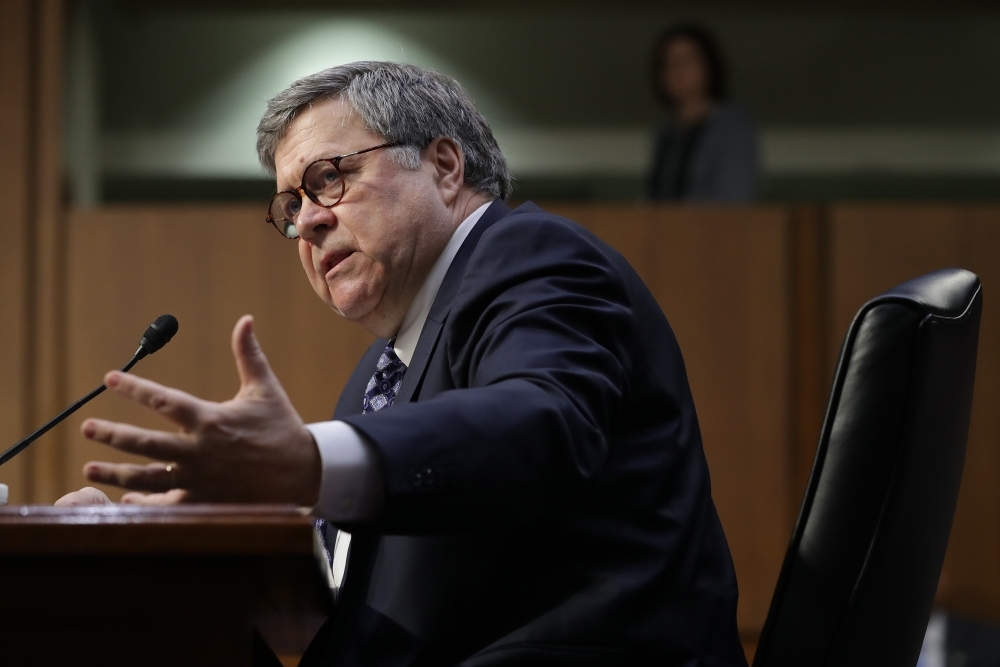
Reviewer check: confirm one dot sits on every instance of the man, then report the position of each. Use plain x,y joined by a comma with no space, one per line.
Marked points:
517,458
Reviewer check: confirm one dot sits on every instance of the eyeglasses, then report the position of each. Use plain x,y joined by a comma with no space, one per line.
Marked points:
322,182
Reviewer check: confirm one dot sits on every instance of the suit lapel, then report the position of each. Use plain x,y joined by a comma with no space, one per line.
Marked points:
365,544
442,302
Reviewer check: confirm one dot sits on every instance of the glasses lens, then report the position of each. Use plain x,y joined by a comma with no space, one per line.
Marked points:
284,207
323,181
288,229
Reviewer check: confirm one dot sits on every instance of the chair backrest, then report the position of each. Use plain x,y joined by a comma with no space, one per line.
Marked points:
860,575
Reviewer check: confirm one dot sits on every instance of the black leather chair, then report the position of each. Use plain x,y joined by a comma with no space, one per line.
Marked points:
859,578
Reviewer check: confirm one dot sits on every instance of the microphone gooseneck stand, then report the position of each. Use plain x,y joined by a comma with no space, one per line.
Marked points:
157,335
16,449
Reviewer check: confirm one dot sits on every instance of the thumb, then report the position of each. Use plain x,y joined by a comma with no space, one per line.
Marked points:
250,360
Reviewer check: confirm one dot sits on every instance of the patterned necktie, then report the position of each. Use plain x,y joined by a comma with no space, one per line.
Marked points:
379,394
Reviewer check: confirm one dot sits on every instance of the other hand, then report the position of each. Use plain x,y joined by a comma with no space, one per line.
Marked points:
252,448
88,495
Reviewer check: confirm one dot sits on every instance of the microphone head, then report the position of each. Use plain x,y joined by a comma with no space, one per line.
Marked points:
158,334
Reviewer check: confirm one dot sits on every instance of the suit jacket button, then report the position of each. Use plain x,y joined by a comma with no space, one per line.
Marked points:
416,479
429,477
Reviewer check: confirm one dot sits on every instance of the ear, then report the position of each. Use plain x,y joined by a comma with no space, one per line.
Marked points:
448,163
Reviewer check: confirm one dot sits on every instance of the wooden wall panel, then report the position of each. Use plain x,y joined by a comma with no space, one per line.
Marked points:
627,229
15,159
729,280
872,248
812,369
207,266
48,295
721,276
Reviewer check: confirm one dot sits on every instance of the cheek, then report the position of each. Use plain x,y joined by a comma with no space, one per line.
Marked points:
699,76
358,289
362,278
316,280
305,256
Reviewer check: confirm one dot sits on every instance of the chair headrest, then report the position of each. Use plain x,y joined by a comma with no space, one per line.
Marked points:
946,293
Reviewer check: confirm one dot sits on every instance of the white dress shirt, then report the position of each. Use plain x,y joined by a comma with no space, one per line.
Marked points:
934,651
350,488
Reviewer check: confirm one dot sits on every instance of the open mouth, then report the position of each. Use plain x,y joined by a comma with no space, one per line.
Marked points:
333,261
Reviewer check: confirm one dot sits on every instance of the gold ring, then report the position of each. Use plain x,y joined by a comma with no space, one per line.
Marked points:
171,470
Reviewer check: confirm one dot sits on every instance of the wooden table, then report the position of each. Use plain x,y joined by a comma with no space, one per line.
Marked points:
126,585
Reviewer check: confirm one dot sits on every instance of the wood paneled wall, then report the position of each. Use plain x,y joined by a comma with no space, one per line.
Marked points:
721,276
31,192
759,299
873,247
206,266
15,151
49,245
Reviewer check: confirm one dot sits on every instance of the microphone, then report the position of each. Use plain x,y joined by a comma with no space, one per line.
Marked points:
157,335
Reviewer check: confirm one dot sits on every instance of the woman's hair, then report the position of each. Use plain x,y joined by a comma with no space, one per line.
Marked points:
715,64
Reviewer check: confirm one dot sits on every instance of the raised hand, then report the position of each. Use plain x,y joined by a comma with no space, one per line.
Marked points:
252,448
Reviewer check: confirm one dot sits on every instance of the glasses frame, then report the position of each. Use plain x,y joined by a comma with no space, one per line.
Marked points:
302,190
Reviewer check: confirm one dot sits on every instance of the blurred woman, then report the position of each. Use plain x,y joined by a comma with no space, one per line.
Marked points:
708,150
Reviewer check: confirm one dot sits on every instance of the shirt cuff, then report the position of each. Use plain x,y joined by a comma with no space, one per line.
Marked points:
351,489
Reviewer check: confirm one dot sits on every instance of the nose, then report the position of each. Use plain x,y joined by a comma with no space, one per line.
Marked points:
313,221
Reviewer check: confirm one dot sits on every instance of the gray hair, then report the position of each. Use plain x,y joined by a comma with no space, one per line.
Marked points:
403,104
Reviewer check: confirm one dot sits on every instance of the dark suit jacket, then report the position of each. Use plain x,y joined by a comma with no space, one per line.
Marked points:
548,499
971,643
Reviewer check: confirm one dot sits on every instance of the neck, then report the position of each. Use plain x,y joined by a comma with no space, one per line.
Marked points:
465,204
384,321
692,112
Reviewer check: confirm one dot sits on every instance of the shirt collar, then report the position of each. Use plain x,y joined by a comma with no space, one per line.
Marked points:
416,315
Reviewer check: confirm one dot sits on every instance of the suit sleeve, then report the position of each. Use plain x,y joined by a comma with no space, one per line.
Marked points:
538,346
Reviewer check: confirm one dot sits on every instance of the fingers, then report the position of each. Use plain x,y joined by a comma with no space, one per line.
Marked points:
172,497
178,406
85,496
135,440
155,477
250,360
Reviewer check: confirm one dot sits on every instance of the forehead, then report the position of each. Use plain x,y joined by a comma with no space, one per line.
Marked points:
682,45
325,129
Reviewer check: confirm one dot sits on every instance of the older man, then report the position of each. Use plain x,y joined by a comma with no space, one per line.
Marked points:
537,493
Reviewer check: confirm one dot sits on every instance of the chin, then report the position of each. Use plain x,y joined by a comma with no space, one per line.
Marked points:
350,312
361,304
353,307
